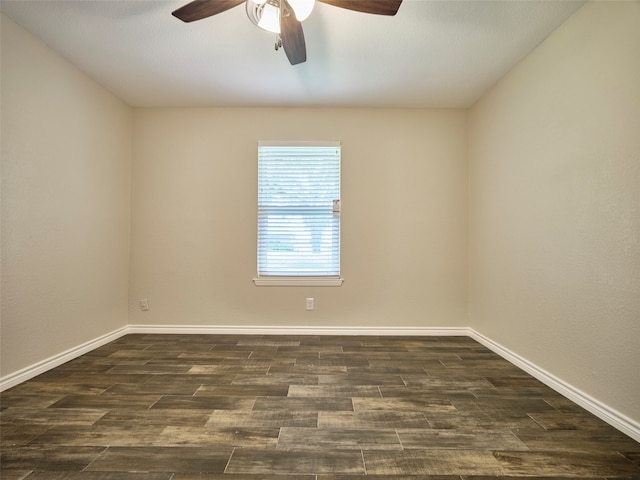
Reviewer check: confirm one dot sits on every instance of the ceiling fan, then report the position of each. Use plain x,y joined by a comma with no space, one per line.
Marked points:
283,17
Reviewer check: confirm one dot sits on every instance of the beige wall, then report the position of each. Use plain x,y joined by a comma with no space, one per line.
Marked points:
554,152
404,220
66,151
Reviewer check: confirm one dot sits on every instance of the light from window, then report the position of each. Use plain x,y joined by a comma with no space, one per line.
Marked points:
299,209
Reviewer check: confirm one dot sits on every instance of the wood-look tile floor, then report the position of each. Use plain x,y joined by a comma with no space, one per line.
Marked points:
209,407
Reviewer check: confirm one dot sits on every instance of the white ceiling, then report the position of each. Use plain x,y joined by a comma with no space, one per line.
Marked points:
443,53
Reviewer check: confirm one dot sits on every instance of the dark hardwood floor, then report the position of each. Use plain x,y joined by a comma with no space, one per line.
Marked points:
206,407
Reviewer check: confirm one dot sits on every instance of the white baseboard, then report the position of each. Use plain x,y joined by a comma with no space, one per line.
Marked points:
614,418
36,369
298,330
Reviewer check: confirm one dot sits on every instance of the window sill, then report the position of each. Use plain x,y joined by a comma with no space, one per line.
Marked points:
298,281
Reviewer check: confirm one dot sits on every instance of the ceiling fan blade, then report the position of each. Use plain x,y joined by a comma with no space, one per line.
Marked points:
199,9
292,35
379,7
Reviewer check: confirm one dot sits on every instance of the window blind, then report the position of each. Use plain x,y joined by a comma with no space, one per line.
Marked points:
298,217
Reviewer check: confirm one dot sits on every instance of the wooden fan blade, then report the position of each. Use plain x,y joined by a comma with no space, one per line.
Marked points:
379,7
199,9
292,35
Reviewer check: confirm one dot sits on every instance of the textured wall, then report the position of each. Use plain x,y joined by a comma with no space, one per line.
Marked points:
554,155
404,218
66,152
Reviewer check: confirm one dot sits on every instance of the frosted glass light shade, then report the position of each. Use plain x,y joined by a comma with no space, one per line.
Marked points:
270,19
302,8
266,13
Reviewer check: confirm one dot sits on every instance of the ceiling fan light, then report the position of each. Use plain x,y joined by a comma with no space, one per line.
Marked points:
264,14
302,8
270,18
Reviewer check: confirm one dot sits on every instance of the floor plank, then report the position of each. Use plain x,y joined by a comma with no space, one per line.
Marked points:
162,459
288,462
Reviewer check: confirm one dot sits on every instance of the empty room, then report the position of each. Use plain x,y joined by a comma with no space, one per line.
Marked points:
263,240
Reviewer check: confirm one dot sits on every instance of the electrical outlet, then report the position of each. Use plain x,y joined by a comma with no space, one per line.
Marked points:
310,305
144,305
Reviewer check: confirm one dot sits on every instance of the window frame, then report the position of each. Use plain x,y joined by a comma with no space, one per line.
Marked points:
298,280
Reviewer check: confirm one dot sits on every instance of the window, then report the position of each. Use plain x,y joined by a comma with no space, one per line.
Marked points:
298,213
